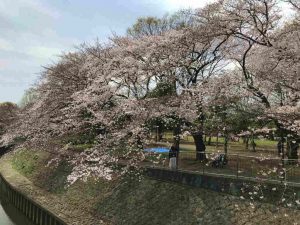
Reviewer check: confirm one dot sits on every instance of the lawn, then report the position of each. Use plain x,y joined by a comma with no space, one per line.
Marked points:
262,145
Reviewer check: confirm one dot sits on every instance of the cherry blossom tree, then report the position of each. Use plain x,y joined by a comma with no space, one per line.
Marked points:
8,112
8,115
235,50
253,27
294,3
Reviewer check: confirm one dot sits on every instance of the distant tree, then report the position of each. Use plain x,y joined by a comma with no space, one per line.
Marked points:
146,26
29,97
8,113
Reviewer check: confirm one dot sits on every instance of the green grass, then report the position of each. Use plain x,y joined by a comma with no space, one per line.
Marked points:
26,162
153,202
157,156
53,179
189,138
187,143
33,165
81,147
266,143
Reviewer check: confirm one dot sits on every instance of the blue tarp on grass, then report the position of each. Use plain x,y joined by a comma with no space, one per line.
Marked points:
157,149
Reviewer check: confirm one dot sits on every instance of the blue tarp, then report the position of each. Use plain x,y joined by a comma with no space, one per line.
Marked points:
157,149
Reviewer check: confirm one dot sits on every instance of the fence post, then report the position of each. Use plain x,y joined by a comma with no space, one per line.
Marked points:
286,171
237,165
251,167
203,165
177,159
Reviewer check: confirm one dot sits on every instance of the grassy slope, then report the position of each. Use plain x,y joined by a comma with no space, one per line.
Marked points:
152,202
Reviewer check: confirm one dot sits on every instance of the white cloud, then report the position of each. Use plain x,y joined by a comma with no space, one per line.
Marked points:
14,9
44,52
3,64
179,4
174,5
38,7
6,45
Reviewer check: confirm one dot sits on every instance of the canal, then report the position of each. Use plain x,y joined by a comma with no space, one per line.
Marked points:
9,215
17,209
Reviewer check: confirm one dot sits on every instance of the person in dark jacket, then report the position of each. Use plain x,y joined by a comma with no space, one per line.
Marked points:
280,147
172,152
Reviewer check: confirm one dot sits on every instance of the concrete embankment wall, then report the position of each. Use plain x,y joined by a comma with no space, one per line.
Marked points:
28,207
271,191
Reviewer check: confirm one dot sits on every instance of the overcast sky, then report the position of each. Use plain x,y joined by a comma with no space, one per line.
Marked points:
34,32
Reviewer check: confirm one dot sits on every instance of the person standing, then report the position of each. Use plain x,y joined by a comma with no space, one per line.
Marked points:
173,158
280,147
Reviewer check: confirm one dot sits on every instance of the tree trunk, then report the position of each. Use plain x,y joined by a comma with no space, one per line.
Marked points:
217,144
160,133
288,148
293,152
139,143
247,143
209,140
253,144
200,146
280,146
226,144
176,139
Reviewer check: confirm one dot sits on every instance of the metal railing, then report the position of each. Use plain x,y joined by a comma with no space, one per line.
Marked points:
231,165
